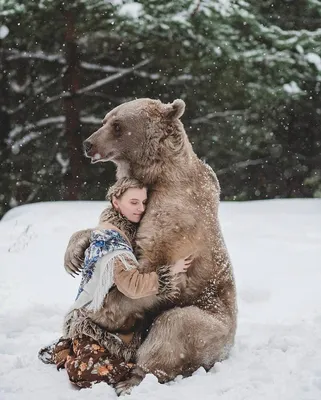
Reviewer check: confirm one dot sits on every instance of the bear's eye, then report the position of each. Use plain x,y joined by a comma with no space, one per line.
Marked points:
117,129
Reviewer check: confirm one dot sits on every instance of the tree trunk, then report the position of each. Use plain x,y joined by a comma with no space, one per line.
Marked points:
71,110
5,165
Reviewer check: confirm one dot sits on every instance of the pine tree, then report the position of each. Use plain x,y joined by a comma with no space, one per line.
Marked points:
248,71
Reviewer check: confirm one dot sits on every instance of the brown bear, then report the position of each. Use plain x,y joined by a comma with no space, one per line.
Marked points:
146,140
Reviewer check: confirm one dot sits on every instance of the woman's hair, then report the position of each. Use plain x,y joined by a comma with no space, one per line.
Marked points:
120,187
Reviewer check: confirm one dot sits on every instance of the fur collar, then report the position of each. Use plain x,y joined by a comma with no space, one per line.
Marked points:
117,219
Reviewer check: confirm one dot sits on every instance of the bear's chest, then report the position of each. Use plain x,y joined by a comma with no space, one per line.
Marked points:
166,233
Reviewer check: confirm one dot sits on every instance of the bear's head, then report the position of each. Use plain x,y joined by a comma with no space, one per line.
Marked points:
141,131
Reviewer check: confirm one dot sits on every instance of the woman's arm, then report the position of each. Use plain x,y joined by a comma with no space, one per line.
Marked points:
131,283
135,284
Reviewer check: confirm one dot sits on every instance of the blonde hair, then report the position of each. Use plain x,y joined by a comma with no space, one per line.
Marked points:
120,187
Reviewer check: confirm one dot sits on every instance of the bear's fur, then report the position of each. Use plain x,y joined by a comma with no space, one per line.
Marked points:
147,141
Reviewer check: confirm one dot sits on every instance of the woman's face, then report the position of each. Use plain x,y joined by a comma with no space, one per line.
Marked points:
132,204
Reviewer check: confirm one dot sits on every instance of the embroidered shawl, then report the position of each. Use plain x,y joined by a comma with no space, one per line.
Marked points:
98,272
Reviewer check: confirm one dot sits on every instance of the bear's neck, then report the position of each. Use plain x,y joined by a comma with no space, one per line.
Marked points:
172,162
169,170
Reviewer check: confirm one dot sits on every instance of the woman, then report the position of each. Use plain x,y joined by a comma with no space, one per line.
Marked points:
88,352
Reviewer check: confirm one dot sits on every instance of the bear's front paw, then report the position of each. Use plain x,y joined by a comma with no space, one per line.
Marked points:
74,255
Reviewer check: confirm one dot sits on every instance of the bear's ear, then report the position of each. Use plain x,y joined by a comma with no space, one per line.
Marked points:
174,110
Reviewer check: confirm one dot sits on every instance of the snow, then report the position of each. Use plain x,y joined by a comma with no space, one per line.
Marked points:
275,247
4,31
16,87
315,59
292,88
133,10
63,163
16,147
224,7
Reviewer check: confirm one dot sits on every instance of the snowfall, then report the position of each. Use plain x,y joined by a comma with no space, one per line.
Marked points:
275,246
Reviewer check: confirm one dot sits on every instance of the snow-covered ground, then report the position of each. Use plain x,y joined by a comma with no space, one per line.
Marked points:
276,251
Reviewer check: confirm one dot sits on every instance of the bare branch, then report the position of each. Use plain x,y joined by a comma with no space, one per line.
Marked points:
105,96
38,93
114,77
15,54
242,165
41,123
33,131
97,67
218,114
39,185
196,8
108,68
90,120
122,72
60,96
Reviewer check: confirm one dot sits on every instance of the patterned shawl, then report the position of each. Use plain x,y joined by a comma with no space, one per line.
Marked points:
102,242
98,273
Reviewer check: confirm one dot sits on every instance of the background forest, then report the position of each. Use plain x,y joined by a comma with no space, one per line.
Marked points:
249,72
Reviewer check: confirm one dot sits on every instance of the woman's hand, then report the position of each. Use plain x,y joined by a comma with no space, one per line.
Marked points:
182,265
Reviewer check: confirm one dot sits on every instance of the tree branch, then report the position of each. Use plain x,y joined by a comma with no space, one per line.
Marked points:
97,67
40,184
15,54
102,82
90,120
114,77
242,165
196,9
218,114
41,123
37,94
33,133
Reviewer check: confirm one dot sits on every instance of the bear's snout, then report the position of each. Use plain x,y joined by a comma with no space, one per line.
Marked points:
87,146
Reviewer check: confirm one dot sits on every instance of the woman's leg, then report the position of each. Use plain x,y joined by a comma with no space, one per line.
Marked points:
91,363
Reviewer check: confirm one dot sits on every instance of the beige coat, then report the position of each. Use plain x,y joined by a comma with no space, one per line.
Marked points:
132,283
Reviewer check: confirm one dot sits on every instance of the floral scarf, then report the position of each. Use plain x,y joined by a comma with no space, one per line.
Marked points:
102,242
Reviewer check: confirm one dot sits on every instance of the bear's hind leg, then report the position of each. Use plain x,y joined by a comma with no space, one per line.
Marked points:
179,342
